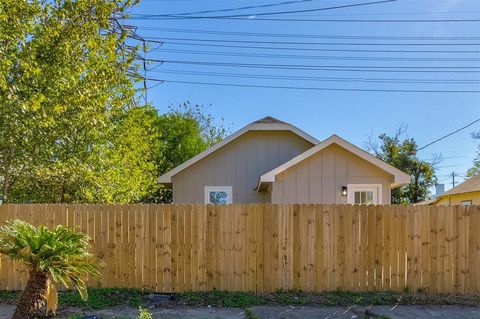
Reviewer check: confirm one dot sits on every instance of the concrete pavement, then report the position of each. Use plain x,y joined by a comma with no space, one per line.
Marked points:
281,312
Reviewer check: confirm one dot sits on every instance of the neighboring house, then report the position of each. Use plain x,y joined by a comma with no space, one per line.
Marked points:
465,194
270,161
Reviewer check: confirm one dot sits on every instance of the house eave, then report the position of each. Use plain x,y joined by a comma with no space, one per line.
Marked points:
167,177
164,179
399,177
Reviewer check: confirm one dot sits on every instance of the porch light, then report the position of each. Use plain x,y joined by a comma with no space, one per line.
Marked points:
344,190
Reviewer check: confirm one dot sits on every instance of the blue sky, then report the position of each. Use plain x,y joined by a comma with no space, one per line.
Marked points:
352,115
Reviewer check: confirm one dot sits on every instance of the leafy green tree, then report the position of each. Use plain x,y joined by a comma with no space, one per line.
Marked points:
71,129
65,75
185,131
127,167
51,256
475,169
403,155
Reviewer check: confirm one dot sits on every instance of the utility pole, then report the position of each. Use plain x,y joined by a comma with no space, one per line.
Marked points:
453,178
145,69
131,33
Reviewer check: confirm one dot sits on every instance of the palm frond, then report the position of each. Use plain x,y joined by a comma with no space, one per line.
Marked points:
64,253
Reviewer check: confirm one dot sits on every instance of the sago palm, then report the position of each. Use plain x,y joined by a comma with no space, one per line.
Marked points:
53,256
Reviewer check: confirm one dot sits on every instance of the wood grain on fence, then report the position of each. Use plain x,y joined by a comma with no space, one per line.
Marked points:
263,248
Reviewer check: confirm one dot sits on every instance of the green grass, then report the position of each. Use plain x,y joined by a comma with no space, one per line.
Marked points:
6,295
98,298
101,298
222,299
249,314
344,298
333,298
243,299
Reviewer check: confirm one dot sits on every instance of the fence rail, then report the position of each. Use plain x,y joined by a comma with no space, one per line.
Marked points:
263,248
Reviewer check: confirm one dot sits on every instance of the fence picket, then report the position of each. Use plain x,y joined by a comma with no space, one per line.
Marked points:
263,248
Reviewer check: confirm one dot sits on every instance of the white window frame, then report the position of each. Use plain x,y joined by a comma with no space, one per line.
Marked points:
227,189
467,202
376,188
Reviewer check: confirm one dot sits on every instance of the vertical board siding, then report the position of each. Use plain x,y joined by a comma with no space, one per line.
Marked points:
264,248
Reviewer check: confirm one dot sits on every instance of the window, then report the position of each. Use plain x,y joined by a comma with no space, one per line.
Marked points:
218,195
363,197
466,202
364,194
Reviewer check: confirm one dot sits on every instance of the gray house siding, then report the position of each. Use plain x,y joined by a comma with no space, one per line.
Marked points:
319,178
238,164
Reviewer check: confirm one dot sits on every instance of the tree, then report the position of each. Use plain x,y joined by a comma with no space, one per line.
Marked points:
51,256
126,169
185,131
71,129
65,75
475,169
403,155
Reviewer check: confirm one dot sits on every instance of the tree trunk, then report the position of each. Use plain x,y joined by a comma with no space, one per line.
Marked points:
32,298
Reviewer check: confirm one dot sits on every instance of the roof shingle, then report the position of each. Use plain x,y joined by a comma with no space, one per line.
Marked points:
269,120
470,185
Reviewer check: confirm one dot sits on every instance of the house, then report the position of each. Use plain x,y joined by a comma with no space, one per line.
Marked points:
270,161
465,194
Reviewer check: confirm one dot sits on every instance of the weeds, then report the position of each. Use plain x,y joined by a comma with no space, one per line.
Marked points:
222,299
249,314
101,298
144,314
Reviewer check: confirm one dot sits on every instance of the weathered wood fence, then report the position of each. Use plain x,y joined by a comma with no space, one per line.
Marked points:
263,248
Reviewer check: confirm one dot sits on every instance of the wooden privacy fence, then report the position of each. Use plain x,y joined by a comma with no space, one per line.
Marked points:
264,248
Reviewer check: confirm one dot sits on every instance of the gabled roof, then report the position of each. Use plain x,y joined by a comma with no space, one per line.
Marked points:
265,124
426,202
269,120
400,177
470,185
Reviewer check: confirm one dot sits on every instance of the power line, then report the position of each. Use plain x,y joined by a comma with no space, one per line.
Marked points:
314,88
307,43
340,68
444,158
374,14
313,57
188,15
154,86
298,35
449,134
241,8
471,12
252,18
453,165
313,78
313,49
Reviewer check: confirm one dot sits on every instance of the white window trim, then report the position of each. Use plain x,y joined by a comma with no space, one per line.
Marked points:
352,187
227,189
467,202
